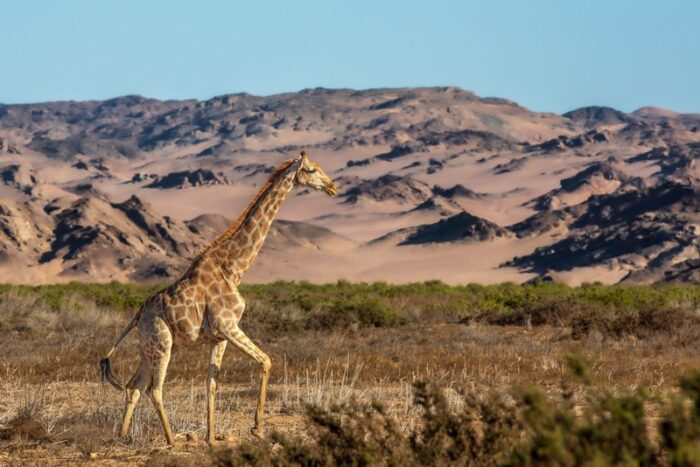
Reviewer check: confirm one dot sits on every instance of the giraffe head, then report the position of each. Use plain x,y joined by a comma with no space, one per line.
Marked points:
311,175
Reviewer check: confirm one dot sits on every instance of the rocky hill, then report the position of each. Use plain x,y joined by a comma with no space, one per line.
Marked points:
187,178
655,230
460,227
481,188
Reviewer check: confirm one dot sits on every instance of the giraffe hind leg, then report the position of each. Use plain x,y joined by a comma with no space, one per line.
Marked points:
159,368
136,386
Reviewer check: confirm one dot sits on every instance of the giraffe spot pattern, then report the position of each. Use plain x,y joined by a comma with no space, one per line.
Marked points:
204,304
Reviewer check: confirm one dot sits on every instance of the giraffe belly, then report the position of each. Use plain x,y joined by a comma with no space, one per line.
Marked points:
185,326
191,330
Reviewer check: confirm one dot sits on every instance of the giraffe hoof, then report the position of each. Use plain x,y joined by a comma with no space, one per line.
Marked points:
257,432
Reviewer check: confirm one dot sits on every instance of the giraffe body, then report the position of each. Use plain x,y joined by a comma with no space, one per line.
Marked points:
204,305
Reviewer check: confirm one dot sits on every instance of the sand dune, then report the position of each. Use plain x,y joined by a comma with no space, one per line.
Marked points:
460,188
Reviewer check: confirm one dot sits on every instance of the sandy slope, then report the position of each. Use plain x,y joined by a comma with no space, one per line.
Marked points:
442,137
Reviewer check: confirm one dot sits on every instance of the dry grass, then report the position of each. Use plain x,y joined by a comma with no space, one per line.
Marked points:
526,430
53,410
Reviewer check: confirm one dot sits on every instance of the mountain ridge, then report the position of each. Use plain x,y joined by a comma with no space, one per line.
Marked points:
404,159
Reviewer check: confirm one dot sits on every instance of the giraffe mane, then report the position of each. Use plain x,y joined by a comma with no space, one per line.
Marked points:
262,192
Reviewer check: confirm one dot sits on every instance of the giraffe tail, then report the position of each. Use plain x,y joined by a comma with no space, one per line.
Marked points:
105,366
107,374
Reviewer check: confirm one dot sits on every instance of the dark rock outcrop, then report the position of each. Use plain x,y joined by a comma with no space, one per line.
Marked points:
389,188
189,178
654,225
460,227
595,116
457,191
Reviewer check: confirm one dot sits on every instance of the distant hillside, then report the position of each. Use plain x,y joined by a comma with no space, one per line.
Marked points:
470,188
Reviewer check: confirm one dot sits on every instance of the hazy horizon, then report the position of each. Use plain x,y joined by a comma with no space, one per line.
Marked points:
546,56
331,89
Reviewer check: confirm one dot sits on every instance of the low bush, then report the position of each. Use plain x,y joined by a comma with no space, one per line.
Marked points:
284,307
355,312
361,434
527,429
610,320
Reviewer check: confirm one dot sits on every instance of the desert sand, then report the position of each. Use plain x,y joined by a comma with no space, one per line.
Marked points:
403,158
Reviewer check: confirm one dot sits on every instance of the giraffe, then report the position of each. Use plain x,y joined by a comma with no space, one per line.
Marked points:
205,306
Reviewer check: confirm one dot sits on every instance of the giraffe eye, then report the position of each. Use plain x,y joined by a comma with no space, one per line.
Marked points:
310,171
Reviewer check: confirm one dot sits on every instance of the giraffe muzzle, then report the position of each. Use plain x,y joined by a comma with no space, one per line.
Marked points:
330,189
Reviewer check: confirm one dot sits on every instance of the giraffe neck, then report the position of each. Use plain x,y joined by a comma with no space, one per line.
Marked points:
237,252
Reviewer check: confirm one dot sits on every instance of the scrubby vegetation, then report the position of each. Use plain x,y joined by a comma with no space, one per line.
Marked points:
337,347
525,429
283,307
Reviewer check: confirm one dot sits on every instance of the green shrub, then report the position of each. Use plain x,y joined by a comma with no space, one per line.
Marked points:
354,312
612,431
610,320
283,307
490,430
680,428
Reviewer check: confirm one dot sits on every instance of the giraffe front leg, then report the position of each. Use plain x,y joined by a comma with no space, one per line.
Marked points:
243,342
217,354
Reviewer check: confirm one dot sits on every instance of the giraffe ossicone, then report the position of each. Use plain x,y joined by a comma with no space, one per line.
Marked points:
204,304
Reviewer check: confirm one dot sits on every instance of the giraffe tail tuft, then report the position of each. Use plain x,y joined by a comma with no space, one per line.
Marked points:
105,366
107,374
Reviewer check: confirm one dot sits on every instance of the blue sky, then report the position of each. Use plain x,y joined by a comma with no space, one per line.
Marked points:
547,55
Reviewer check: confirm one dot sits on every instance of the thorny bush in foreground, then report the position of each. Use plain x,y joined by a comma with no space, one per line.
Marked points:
526,429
